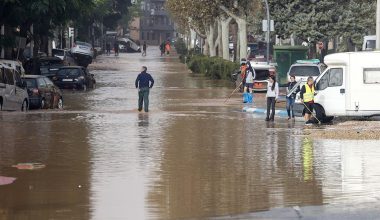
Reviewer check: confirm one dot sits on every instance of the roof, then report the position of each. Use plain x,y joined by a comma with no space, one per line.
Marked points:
32,76
49,58
344,58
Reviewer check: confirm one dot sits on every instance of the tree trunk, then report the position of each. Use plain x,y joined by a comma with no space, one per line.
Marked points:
242,24
206,50
225,38
193,37
219,43
210,40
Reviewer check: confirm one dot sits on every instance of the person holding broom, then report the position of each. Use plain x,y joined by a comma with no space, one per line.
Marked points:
307,97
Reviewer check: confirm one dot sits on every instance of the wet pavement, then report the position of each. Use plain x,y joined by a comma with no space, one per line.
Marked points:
191,157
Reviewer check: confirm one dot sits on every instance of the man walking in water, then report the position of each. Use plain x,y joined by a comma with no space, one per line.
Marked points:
144,83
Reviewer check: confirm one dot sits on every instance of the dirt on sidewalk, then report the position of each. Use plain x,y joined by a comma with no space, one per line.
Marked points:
349,130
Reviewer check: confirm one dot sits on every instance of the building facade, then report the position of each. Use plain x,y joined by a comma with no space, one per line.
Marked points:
155,23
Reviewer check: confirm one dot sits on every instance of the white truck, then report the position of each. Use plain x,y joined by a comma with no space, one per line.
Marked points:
349,86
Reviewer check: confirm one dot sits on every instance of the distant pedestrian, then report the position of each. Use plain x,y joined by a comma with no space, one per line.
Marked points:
307,97
167,48
108,48
144,82
144,49
272,96
116,48
291,98
162,48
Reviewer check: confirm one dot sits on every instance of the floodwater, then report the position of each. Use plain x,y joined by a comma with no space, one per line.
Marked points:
191,157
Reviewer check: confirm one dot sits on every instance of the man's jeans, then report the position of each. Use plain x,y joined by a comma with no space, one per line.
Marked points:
144,97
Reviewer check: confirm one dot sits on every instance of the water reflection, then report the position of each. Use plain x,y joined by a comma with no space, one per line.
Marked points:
307,159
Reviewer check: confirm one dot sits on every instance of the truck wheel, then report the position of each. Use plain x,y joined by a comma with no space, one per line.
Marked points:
321,115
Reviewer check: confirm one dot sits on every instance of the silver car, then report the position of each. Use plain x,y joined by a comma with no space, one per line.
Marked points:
13,93
83,53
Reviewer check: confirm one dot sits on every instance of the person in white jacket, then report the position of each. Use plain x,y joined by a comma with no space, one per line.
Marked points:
272,96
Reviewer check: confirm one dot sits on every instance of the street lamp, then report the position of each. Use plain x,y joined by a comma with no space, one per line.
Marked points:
268,29
378,25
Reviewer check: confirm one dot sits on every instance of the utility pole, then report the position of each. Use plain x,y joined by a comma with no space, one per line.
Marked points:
268,29
378,26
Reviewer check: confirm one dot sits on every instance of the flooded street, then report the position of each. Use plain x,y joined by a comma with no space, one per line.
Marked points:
190,157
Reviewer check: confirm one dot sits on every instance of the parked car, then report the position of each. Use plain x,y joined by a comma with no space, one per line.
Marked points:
74,77
13,95
46,66
42,92
262,70
302,69
65,55
15,64
83,52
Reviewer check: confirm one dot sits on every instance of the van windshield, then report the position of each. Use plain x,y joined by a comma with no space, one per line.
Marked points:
304,71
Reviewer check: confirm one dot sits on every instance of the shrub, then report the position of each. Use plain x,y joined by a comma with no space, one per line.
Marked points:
212,67
180,46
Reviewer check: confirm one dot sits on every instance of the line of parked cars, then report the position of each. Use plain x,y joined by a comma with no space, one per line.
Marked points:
20,91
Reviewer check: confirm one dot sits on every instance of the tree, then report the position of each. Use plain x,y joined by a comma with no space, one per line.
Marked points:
315,20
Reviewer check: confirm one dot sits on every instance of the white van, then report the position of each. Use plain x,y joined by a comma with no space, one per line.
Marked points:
302,69
349,86
13,95
369,43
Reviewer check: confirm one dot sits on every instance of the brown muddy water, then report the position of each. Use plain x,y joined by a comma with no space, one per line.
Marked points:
191,157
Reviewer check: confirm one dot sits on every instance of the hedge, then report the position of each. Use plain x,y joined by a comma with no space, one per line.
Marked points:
212,67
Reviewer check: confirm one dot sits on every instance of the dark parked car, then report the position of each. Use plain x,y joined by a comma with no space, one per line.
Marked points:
74,77
42,92
46,66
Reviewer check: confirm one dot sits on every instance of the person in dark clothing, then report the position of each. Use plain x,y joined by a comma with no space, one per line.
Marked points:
162,48
307,97
116,48
144,49
291,98
108,48
144,82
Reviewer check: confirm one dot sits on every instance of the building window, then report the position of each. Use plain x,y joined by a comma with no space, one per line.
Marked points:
147,35
142,35
153,36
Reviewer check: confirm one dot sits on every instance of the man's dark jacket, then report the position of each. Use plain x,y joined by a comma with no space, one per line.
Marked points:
144,80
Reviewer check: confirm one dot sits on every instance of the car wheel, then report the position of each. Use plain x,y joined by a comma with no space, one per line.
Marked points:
60,103
43,104
24,106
